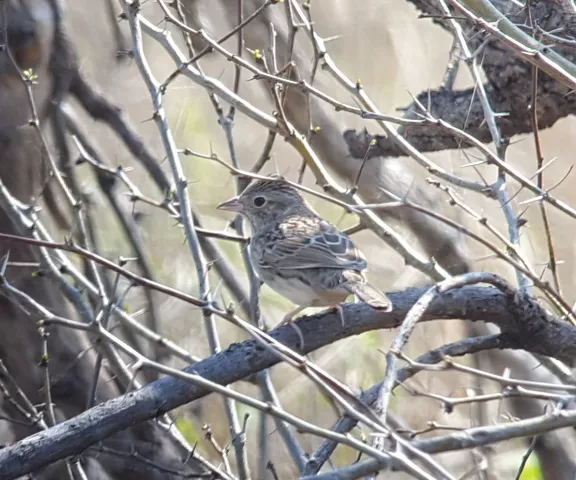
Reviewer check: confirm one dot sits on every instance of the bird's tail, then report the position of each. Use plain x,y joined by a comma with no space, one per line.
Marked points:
373,297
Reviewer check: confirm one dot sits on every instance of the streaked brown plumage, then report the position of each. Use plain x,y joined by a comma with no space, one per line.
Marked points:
300,255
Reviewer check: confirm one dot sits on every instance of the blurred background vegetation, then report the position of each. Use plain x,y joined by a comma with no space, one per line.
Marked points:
395,54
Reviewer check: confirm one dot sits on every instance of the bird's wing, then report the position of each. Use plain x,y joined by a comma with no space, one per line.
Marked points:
304,242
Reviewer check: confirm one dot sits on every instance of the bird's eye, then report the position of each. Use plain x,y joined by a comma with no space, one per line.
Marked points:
259,201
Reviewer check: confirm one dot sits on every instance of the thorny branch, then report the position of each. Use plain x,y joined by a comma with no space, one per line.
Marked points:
440,119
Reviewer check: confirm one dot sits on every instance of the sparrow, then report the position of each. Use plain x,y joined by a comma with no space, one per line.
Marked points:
300,255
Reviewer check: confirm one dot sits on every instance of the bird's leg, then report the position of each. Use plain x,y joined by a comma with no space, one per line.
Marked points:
288,318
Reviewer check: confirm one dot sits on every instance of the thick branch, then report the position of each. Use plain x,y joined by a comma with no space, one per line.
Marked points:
508,88
522,319
471,438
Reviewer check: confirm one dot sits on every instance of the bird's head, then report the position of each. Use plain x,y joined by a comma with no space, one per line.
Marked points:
265,201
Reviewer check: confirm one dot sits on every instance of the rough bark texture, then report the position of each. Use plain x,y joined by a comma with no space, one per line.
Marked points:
525,325
508,86
37,44
37,41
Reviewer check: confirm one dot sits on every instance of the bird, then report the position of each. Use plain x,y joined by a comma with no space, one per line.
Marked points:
300,255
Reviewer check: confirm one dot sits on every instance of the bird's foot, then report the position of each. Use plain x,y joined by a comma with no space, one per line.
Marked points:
289,319
299,333
338,308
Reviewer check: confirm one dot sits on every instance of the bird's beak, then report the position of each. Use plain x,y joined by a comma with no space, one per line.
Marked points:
232,205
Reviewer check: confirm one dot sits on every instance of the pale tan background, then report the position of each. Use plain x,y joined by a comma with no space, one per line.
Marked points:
394,53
